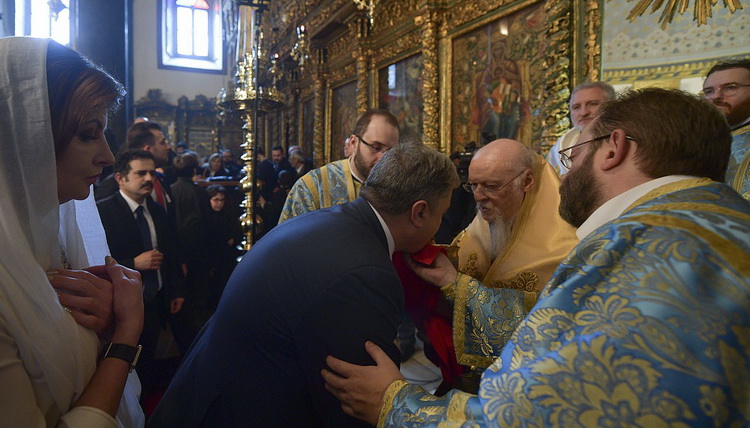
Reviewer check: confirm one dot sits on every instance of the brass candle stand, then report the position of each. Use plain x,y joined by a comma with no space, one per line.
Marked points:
248,97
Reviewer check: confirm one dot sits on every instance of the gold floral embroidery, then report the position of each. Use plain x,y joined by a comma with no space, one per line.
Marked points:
471,267
713,403
613,317
525,280
507,404
588,385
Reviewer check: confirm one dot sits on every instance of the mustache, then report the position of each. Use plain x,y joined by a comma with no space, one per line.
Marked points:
147,185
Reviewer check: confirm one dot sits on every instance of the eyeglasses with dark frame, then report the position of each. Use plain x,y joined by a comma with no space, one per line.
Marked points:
375,148
473,187
567,161
728,90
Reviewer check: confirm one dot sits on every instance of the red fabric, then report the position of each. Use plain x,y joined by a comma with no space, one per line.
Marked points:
421,299
159,191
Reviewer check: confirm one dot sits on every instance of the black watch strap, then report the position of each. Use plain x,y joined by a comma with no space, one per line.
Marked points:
124,352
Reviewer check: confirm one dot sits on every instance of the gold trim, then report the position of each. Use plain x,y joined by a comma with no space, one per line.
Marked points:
669,188
692,206
461,297
350,187
659,71
465,16
307,179
388,397
456,409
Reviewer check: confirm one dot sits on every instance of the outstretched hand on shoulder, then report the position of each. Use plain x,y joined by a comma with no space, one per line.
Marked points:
361,388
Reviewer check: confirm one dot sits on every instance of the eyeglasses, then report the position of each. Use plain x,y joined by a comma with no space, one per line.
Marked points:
727,90
567,161
473,187
375,148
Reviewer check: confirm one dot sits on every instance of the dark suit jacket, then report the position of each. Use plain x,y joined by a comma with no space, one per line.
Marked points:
125,244
319,284
193,215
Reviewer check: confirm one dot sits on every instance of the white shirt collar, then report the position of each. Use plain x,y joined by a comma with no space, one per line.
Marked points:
388,235
133,204
614,207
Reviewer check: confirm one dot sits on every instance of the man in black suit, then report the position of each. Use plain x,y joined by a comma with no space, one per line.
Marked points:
140,237
147,136
258,360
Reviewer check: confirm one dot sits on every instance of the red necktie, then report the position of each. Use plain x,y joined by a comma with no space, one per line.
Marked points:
159,191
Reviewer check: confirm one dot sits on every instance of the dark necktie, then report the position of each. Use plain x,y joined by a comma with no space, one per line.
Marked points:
150,277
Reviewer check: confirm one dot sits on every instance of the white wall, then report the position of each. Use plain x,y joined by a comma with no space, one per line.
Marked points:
147,75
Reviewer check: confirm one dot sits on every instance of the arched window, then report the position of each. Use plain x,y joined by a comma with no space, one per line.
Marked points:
190,35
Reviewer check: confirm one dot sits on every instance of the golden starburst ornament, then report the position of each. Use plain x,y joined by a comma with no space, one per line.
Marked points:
701,9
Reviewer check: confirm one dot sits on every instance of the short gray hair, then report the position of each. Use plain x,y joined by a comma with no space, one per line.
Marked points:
408,173
298,156
608,90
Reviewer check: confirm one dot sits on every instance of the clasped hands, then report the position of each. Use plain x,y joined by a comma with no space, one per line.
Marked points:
107,299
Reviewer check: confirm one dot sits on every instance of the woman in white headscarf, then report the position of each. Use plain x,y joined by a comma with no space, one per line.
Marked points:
53,112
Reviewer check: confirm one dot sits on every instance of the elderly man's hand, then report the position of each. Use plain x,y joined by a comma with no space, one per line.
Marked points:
440,273
361,388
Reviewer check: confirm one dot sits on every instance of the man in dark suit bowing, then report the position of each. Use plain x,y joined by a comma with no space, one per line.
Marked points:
258,360
140,237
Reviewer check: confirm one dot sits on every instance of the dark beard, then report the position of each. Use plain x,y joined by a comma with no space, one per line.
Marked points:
360,165
579,193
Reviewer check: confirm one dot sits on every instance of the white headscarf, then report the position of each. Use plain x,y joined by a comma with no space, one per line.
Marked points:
59,356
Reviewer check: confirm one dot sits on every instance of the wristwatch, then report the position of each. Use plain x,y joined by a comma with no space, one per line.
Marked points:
124,352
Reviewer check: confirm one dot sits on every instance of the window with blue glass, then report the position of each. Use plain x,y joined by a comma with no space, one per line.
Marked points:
191,35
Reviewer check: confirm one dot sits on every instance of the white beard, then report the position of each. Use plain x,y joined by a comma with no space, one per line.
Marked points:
499,234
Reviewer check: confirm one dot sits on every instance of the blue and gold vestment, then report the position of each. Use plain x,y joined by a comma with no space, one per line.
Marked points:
645,323
738,171
330,185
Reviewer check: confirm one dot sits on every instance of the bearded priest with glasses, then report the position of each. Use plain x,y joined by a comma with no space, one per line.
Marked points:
727,86
338,182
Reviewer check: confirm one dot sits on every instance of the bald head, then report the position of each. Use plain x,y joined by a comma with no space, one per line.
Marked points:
502,173
505,153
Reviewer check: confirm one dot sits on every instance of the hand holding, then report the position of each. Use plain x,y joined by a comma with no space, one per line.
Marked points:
148,260
128,302
440,273
361,388
87,295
